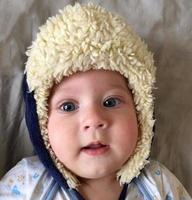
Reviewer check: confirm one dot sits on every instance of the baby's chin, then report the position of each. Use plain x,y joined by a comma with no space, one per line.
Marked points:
97,177
98,174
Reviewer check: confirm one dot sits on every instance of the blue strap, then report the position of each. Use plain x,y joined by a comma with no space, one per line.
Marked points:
142,188
75,195
51,192
53,188
124,192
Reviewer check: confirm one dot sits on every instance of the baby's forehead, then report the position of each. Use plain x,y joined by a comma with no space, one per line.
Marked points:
94,78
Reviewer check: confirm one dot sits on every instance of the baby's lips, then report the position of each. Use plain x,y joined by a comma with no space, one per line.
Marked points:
94,145
95,149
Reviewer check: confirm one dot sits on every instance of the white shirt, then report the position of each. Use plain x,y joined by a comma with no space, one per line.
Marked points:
29,180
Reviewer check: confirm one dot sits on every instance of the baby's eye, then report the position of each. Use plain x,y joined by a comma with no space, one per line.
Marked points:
68,107
111,102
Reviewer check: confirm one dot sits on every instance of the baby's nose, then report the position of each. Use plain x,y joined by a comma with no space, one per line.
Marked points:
95,125
95,119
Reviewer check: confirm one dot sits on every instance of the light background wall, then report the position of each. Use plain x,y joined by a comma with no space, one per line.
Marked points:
167,28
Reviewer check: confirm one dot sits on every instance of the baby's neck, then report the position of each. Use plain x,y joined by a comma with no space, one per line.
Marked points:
102,189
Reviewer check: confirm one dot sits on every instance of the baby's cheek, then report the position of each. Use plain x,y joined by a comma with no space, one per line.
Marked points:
62,141
128,140
58,146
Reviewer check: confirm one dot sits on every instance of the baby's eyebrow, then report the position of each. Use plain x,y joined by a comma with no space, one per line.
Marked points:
121,87
66,89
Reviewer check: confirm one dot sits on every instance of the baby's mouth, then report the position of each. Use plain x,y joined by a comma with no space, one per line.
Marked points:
95,148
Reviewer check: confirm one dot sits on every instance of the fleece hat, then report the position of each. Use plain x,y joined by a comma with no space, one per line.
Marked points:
81,38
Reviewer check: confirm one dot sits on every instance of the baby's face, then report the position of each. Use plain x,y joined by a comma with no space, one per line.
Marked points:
92,123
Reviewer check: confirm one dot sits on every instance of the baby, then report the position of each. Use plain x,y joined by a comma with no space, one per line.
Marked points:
89,111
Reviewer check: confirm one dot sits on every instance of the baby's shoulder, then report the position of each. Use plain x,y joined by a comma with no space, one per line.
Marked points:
155,171
30,168
162,182
29,163
158,174
21,178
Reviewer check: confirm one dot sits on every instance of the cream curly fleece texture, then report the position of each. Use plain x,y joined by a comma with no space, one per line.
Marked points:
84,37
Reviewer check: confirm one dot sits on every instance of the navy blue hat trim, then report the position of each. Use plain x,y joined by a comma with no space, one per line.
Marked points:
32,122
123,192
